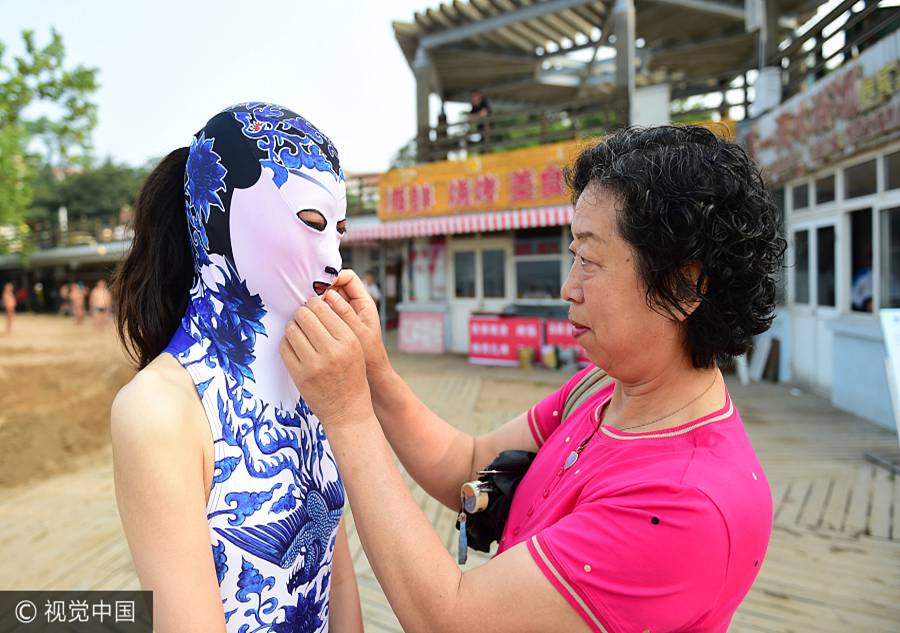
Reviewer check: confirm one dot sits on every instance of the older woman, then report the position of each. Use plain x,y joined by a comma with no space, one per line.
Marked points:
646,509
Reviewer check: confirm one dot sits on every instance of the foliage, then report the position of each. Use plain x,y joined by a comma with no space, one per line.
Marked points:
46,119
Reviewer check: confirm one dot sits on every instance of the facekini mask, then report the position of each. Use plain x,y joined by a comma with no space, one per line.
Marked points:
266,206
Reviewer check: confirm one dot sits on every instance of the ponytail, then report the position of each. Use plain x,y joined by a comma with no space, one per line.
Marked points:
152,284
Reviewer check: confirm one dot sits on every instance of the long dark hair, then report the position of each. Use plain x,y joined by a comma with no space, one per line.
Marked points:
152,284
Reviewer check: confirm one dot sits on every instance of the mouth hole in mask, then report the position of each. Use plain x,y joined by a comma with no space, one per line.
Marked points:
313,219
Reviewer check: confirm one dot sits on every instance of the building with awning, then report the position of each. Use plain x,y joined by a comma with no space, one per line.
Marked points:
474,217
456,241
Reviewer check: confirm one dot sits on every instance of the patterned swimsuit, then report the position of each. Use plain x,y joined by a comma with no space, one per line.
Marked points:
276,496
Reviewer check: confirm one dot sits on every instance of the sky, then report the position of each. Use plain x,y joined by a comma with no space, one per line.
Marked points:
166,67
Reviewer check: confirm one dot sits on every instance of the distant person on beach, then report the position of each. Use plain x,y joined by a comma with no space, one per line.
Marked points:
645,507
65,304
76,300
9,305
100,303
226,485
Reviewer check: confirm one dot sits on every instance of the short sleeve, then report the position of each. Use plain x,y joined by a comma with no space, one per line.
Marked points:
545,416
652,558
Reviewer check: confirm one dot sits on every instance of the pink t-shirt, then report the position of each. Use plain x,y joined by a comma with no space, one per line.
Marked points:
661,531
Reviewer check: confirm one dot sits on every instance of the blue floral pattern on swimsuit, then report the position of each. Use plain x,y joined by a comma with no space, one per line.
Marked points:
276,497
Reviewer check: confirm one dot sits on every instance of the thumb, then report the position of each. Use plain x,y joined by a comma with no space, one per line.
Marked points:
351,286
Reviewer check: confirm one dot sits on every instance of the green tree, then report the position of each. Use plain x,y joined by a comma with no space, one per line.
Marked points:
40,77
15,192
46,119
100,190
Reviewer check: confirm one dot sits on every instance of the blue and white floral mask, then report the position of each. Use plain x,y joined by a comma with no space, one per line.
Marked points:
267,205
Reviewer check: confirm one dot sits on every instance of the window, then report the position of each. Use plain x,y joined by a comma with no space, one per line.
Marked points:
545,241
780,291
890,258
859,180
825,266
892,171
538,279
825,189
464,273
538,263
493,273
347,257
800,196
801,266
861,282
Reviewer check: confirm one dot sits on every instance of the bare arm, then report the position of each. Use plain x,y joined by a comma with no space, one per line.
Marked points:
426,589
439,456
345,615
160,491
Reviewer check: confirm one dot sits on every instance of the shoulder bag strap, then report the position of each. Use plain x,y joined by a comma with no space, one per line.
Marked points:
592,382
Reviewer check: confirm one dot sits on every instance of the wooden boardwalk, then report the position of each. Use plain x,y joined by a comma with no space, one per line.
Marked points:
833,563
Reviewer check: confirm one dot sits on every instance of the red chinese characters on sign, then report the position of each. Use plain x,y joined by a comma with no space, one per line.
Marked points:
421,198
487,190
840,99
460,193
411,199
521,185
552,182
478,191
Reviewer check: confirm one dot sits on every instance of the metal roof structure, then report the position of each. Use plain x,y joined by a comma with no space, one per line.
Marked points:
521,51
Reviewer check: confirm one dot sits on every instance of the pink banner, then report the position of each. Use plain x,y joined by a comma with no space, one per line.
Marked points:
496,340
559,333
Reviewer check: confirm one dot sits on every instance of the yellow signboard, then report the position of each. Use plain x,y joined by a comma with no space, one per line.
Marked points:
530,177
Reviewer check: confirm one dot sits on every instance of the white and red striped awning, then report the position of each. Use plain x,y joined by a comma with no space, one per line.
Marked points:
464,223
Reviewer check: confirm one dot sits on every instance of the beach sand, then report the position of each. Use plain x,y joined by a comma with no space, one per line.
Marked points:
58,382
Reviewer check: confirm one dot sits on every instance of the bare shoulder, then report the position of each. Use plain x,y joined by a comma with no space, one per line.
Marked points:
160,401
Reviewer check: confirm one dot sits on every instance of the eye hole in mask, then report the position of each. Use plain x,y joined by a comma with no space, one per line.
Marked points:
313,219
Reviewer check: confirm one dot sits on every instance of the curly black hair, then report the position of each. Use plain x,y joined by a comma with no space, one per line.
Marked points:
688,197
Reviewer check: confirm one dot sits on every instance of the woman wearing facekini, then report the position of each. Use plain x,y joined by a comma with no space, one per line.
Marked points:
227,487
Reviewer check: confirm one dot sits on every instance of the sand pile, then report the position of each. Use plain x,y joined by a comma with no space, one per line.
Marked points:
57,382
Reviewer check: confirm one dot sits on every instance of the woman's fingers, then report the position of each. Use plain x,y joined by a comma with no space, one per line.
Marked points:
345,312
330,319
319,338
351,287
297,341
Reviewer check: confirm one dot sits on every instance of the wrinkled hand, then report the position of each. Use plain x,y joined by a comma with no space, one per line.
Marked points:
351,301
325,360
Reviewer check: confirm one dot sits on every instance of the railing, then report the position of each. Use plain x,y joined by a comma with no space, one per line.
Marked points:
516,129
362,198
362,194
80,232
804,60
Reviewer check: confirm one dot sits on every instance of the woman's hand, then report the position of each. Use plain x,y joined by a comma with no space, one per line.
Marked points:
325,360
351,301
